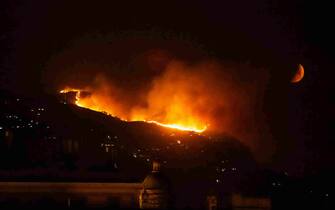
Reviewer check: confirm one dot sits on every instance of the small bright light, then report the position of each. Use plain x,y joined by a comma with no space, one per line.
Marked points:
179,142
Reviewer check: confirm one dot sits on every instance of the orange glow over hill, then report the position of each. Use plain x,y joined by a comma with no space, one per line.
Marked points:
176,116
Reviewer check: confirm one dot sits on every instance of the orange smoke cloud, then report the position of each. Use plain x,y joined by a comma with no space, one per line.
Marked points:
205,96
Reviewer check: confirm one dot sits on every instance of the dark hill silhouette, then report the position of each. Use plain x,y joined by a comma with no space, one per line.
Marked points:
61,141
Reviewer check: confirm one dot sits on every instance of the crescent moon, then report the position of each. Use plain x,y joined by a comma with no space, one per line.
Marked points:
299,75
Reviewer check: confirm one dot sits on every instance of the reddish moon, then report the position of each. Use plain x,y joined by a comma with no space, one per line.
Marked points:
299,75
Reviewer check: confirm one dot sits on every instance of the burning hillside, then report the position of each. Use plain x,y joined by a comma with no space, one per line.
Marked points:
92,101
200,97
177,100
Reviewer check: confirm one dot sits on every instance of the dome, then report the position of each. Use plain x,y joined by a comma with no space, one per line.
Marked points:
155,180
155,191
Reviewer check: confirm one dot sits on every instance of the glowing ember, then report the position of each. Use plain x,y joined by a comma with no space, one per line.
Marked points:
96,103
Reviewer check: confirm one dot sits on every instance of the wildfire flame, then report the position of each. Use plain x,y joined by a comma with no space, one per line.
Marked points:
92,102
206,96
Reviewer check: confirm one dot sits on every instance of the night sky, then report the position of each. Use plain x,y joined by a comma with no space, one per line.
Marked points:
273,35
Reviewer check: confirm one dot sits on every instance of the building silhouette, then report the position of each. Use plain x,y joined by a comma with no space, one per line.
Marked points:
149,194
155,193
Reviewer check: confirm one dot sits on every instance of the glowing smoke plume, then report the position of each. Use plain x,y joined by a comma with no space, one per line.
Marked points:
206,96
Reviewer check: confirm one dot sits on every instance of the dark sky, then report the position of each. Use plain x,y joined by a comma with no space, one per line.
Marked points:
269,34
264,32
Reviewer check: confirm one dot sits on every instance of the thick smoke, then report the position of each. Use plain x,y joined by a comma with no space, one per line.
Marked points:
225,97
